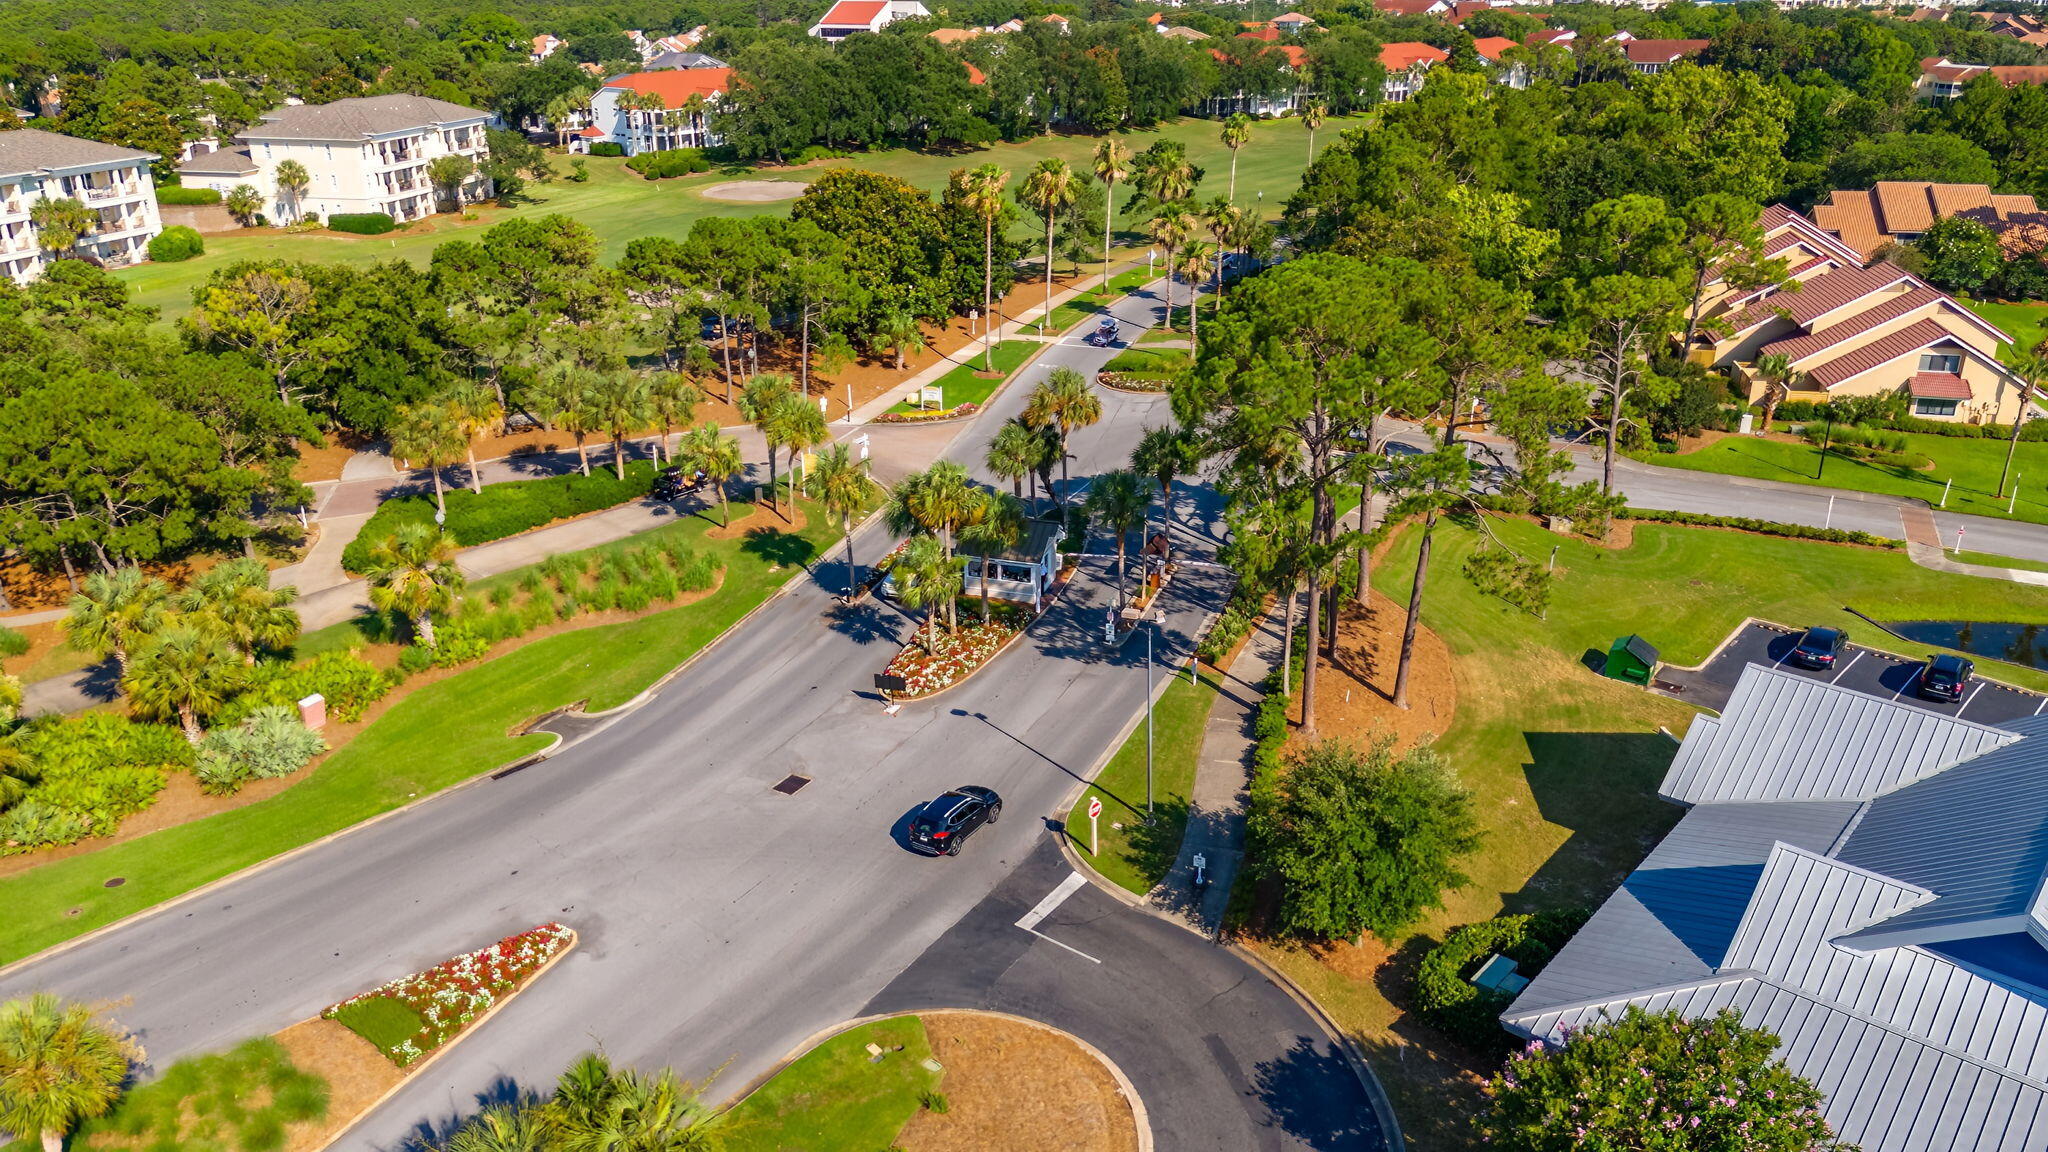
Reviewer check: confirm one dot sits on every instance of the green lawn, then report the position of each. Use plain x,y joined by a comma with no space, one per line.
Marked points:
620,206
964,385
232,1101
1972,463
1150,361
2027,324
1994,560
440,735
837,1097
1563,765
1137,856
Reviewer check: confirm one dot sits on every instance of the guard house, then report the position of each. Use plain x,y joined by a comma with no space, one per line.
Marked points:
1022,572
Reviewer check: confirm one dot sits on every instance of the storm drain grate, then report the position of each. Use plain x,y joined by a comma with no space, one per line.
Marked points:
791,785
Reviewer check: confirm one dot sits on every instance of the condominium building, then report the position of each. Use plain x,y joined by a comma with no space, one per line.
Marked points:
113,183
623,112
368,154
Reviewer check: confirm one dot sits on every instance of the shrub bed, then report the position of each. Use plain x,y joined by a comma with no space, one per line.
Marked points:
670,163
174,194
349,684
1760,527
272,742
448,997
954,656
1126,382
86,773
503,510
1444,993
1233,624
607,148
927,417
174,244
361,223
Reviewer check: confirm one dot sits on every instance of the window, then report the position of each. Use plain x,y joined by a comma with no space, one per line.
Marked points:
1948,362
1926,407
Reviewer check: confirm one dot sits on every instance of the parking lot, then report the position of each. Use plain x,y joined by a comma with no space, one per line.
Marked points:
1880,674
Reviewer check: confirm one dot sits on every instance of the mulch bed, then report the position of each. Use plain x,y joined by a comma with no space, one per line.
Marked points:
1015,1087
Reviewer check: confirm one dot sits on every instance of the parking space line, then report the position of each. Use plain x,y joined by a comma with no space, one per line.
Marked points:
1912,680
1972,696
1845,668
2042,704
1068,947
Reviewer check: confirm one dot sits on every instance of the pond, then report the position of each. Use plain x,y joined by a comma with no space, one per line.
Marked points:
2018,643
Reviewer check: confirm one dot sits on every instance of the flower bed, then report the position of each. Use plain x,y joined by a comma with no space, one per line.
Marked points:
959,653
1128,382
967,409
449,996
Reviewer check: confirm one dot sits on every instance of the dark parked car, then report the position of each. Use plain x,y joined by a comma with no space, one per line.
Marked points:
671,484
1819,647
940,826
1945,677
1105,334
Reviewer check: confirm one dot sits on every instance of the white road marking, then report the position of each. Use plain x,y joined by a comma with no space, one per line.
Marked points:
1053,899
1911,680
1972,696
1845,668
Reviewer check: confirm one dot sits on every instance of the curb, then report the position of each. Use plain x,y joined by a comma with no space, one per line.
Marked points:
408,1074
1141,1120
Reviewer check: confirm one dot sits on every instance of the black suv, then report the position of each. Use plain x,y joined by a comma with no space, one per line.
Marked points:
1945,677
1818,648
940,826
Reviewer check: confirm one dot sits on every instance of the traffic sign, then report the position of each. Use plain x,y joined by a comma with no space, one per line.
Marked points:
1094,807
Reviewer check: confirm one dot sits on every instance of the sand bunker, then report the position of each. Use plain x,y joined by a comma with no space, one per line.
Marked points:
756,191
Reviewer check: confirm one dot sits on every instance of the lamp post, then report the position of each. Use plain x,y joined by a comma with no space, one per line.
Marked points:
1154,619
1827,434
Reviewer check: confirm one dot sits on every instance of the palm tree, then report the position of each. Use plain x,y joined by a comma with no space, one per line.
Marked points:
476,411
597,1108
1167,177
799,425
1112,163
503,1128
902,333
1063,400
1237,132
1225,222
1163,454
2033,376
61,222
1016,454
982,193
58,1065
1312,119
429,435
562,400
292,179
706,449
237,597
760,405
673,397
1120,503
843,486
999,526
187,671
620,405
113,611
1193,266
927,579
413,573
936,502
1778,377
1170,229
1050,187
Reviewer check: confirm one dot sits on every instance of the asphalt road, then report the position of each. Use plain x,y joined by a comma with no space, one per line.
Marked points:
1881,674
1224,1059
721,921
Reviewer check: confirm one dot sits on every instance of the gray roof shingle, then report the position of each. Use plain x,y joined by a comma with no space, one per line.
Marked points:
26,150
358,118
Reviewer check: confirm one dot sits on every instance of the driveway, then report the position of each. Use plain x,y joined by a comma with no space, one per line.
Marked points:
1865,669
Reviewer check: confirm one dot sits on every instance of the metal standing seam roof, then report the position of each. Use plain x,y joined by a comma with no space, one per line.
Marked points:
1785,737
1823,294
1882,312
1880,352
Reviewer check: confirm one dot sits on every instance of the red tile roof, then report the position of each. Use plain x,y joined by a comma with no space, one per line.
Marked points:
976,75
676,86
1662,51
592,133
1404,7
1879,352
1939,386
1464,10
1269,35
1888,310
1550,36
1403,55
2014,75
1820,295
853,13
1491,47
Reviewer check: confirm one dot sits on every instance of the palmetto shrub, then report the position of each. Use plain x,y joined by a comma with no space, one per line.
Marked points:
87,773
271,742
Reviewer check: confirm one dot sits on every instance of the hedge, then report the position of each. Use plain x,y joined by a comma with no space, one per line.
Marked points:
361,223
1803,411
1760,527
174,244
503,509
1444,993
607,148
670,163
172,194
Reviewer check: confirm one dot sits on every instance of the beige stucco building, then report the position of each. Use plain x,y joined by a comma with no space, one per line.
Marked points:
113,182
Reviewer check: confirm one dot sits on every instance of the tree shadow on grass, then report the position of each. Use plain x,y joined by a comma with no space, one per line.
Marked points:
778,547
1602,787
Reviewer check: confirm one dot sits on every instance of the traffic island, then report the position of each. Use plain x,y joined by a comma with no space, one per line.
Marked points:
943,1080
936,658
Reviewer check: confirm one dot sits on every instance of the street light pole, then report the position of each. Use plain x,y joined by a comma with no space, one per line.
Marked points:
1827,434
1148,724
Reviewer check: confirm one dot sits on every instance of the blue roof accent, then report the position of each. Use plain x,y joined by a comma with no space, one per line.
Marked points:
2015,958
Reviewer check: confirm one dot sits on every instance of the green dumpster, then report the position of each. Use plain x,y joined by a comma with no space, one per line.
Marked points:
1632,659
